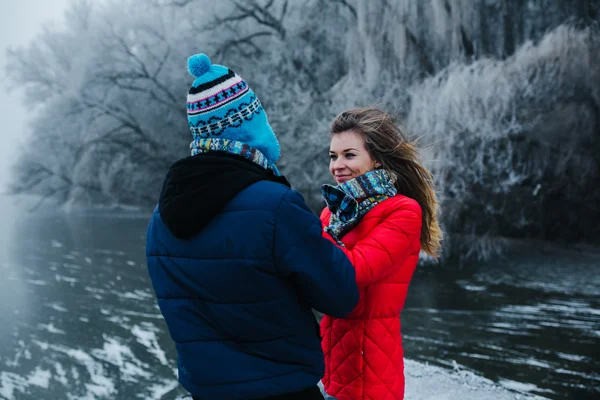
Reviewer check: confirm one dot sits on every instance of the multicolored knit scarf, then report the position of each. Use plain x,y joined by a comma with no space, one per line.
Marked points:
350,201
233,147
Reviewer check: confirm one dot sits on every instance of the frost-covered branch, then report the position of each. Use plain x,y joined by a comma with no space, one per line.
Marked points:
348,6
262,14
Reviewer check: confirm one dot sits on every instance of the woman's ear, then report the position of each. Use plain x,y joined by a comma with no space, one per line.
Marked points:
377,164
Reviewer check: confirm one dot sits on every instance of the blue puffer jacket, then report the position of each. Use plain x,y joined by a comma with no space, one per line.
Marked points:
237,290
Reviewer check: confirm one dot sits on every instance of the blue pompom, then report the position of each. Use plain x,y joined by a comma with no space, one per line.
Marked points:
198,64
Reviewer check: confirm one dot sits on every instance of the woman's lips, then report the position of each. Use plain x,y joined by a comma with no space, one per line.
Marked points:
342,178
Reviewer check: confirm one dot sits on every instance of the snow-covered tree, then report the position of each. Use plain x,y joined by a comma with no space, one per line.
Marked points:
503,94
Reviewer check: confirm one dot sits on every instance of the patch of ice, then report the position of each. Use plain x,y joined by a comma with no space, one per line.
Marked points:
591,377
470,286
508,331
119,320
57,307
157,391
108,251
51,329
61,374
550,324
37,282
122,357
504,325
140,314
146,335
20,351
514,327
475,288
75,373
99,385
40,377
9,383
478,356
528,361
76,267
436,311
571,357
573,308
521,309
42,345
68,279
522,387
492,347
136,295
428,340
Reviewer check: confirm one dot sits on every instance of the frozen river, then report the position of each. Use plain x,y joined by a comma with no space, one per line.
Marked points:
78,318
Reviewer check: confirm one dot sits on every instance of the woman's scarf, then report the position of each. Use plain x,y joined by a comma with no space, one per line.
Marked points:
351,200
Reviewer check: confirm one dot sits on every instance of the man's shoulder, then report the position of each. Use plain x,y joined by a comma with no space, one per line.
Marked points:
268,189
263,194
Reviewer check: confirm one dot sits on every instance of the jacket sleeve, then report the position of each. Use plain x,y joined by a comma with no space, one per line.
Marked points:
319,269
376,255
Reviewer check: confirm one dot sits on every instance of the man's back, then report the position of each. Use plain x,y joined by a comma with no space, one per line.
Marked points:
237,295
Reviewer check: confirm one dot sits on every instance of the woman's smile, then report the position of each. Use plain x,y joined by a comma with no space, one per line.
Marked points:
342,178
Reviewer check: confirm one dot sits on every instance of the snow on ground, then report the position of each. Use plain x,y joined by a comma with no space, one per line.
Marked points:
427,382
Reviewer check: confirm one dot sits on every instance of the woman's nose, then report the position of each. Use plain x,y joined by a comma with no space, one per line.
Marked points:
338,165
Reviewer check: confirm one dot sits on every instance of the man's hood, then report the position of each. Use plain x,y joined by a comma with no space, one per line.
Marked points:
197,188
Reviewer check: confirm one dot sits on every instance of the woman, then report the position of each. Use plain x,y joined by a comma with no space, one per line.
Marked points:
382,213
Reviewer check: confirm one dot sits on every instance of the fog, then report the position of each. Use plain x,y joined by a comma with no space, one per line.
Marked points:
20,22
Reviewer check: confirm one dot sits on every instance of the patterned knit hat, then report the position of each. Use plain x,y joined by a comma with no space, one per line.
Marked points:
220,104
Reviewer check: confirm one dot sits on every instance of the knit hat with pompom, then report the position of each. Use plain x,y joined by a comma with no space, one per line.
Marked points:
221,105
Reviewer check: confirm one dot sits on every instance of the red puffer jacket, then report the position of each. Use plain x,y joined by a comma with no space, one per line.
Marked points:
363,352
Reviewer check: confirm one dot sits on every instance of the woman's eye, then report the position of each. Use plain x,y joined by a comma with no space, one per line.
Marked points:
350,155
332,156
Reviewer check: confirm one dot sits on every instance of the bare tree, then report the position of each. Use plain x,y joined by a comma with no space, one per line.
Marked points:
244,23
108,97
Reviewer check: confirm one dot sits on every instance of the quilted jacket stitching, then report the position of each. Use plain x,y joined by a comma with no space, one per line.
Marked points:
396,346
382,351
400,208
347,355
273,243
340,343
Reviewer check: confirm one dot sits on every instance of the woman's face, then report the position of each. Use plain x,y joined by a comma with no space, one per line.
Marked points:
349,157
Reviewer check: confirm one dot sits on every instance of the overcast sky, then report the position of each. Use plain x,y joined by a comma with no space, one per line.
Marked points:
20,21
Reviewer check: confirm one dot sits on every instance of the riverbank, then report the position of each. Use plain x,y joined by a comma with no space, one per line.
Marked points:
428,382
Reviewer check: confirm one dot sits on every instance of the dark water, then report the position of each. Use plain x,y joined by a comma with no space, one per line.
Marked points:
77,314
531,322
78,318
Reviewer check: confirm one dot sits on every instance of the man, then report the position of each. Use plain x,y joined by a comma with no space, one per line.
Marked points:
236,258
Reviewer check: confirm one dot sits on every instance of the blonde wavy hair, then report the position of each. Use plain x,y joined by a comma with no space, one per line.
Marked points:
387,144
